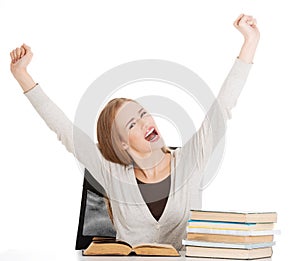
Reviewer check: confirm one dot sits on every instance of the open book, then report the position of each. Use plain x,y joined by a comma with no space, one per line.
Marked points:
111,246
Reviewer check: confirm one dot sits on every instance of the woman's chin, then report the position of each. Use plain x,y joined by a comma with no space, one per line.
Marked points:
147,148
157,144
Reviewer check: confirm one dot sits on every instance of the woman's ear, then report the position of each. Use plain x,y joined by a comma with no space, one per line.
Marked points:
124,145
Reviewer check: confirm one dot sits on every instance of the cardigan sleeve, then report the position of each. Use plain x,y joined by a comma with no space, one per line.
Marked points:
73,138
201,147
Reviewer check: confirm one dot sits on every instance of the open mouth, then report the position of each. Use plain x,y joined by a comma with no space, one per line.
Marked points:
151,135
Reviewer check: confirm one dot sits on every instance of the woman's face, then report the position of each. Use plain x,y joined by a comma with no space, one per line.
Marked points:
137,129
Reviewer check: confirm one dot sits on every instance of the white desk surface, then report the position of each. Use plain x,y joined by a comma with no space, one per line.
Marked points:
23,255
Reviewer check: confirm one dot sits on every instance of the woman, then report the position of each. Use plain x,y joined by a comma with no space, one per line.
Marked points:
151,188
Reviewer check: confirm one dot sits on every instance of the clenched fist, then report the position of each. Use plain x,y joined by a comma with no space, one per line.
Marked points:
20,58
247,25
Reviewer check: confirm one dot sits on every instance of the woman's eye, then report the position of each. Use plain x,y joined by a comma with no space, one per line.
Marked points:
143,114
131,125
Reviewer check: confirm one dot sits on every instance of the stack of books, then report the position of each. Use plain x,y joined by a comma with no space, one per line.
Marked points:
236,235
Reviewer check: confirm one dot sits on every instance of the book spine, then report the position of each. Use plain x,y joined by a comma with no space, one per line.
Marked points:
233,232
227,245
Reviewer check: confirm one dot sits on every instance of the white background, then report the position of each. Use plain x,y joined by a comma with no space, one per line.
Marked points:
74,42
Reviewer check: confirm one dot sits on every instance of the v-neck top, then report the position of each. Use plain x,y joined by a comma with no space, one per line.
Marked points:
161,190
133,220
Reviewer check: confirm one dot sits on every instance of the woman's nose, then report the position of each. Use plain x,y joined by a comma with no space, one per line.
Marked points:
142,122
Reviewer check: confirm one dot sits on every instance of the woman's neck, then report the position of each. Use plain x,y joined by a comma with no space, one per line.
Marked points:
153,169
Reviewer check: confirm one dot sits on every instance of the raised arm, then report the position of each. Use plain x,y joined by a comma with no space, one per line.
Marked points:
74,139
20,59
247,26
197,152
237,77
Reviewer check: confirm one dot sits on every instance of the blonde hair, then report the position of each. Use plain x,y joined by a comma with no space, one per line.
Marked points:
109,140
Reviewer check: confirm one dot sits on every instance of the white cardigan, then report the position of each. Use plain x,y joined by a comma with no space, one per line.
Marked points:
133,221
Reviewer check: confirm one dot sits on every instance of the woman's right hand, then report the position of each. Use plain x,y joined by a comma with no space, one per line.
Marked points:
20,59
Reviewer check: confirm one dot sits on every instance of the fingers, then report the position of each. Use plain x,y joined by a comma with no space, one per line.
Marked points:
236,22
26,48
15,55
18,53
22,51
248,19
12,57
253,22
243,20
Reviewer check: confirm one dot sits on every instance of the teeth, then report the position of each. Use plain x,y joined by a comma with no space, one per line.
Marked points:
153,138
149,132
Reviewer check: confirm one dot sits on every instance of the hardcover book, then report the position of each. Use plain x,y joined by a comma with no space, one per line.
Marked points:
229,225
227,245
229,238
211,252
233,216
233,232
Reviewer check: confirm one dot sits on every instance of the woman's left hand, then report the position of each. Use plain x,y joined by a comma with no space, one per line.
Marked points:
246,24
